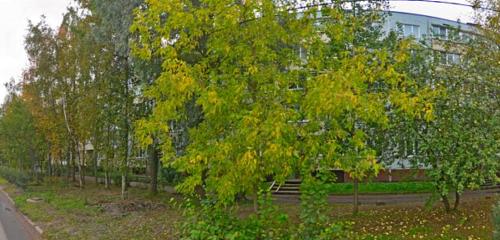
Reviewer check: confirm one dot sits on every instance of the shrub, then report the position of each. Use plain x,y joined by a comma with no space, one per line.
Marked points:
313,208
209,221
169,176
15,177
496,221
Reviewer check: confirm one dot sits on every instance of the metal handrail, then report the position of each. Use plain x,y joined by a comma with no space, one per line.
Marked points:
277,189
272,185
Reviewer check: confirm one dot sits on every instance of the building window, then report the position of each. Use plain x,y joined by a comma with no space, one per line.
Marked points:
440,32
141,153
410,30
449,58
302,54
465,37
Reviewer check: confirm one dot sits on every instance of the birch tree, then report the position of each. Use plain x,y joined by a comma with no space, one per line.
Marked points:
115,18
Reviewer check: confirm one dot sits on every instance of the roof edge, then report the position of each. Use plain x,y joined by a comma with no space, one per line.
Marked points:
439,18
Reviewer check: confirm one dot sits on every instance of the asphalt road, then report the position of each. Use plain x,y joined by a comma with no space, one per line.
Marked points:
12,224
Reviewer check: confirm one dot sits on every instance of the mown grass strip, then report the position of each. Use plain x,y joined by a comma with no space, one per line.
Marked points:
382,188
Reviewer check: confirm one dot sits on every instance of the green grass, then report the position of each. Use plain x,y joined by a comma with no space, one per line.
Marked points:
57,201
62,204
68,212
382,187
496,221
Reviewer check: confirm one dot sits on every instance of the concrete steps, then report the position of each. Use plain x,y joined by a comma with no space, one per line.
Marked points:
289,187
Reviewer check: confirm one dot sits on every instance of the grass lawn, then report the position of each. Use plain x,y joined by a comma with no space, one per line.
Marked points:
382,187
67,212
410,221
472,221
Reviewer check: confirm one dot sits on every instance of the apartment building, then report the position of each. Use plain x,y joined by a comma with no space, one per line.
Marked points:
433,31
446,38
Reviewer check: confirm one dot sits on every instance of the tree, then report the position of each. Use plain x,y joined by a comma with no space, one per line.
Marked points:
21,145
67,88
461,144
112,31
147,72
356,78
232,69
39,92
237,64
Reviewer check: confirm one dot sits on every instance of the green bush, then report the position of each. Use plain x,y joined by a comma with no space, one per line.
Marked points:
315,222
209,221
116,178
313,208
169,176
496,222
15,177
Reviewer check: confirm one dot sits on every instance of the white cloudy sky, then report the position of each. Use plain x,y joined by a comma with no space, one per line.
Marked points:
14,16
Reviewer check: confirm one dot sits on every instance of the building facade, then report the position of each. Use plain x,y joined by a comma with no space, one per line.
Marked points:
432,31
446,38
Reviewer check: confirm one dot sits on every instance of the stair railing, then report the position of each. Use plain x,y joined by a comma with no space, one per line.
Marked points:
277,189
272,185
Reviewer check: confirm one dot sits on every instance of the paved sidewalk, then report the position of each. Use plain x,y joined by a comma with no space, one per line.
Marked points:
13,226
390,199
2,232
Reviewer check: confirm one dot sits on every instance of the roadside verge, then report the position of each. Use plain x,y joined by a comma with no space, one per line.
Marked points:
35,230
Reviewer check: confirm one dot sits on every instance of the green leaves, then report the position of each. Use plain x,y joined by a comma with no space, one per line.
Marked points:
233,63
459,141
239,61
21,145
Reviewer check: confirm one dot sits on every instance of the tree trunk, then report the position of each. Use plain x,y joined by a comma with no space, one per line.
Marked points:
68,165
446,202
57,168
36,166
124,186
154,164
84,164
80,167
125,167
126,136
73,167
49,164
457,200
356,197
109,153
94,158
125,170
106,179
39,170
80,176
256,201
95,152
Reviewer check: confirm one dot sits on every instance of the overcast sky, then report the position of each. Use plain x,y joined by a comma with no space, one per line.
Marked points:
14,16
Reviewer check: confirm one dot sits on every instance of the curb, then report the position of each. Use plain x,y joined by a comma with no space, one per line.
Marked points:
37,228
